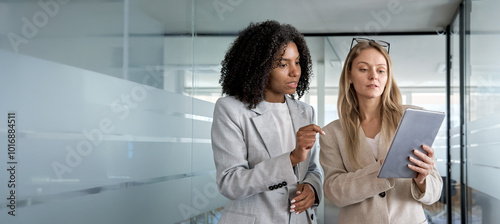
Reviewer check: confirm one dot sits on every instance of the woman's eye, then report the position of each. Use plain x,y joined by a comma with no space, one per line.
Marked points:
381,71
281,65
362,69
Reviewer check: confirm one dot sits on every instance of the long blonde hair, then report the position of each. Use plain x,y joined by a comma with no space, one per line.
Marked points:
348,106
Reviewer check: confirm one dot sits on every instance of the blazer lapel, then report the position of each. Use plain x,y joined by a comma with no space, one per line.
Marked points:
298,120
366,153
297,115
265,126
383,146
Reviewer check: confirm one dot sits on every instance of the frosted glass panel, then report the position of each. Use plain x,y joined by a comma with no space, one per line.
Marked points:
483,119
91,148
483,167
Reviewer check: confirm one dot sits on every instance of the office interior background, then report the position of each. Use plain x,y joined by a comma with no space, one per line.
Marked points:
109,102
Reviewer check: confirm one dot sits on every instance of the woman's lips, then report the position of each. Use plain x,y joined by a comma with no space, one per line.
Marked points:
292,84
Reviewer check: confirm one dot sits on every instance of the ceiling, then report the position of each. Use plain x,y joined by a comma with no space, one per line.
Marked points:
418,59
313,16
417,56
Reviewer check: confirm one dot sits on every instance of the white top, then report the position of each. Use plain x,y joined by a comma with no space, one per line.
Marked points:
373,142
283,121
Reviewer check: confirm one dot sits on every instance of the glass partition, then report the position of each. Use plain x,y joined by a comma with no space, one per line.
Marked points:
455,124
483,119
103,127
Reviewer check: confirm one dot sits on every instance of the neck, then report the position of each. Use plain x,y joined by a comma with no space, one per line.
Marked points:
369,109
275,99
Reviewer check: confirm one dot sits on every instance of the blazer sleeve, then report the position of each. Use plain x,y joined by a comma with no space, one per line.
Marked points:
433,182
344,188
433,186
314,175
235,178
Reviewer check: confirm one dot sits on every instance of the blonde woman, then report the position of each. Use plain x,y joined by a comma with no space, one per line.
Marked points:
369,107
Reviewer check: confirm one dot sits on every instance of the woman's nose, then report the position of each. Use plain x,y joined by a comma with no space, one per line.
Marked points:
372,74
295,70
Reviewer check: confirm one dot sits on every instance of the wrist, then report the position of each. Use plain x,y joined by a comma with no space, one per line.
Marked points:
293,160
316,200
421,184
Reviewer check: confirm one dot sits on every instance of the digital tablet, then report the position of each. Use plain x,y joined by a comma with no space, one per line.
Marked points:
416,128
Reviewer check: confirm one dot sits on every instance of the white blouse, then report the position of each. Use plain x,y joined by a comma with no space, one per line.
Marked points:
283,121
373,142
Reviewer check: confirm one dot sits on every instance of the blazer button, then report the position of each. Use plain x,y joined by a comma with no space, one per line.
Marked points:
280,185
382,194
284,183
271,188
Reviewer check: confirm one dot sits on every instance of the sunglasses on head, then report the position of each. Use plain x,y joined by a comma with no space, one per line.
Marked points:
382,43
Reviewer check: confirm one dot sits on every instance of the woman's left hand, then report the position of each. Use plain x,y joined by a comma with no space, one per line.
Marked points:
305,198
423,167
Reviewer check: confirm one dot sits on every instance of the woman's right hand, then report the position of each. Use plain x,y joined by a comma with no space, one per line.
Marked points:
306,137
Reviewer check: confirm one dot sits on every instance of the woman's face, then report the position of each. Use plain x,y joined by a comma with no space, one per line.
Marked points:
285,77
369,74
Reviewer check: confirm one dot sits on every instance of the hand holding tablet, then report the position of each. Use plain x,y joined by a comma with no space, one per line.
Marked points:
416,128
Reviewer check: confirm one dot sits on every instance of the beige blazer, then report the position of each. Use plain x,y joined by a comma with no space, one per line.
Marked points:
252,170
360,194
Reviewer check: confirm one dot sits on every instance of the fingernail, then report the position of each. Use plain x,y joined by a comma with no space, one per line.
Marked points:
292,210
293,201
293,206
298,192
323,133
296,213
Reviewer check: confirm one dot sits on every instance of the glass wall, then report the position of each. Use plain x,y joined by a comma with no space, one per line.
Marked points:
99,124
482,91
455,131
474,109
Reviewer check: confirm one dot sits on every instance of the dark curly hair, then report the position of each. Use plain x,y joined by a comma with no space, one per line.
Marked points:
250,59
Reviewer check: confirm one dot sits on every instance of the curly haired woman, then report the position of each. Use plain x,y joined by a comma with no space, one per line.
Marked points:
263,139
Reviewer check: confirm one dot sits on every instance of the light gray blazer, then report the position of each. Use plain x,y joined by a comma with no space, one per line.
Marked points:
252,170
